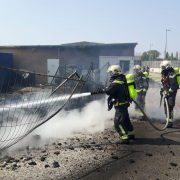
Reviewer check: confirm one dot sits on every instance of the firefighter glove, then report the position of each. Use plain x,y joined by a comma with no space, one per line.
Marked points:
166,94
144,93
161,92
100,90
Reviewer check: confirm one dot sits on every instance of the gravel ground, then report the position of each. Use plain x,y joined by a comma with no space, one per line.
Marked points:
152,155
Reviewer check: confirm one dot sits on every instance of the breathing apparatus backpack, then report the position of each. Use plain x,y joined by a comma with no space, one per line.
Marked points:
131,85
146,74
176,70
147,78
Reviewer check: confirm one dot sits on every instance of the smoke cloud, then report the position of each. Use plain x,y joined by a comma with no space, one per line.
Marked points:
91,119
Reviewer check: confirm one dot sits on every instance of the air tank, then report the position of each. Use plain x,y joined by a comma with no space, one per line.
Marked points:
131,85
176,70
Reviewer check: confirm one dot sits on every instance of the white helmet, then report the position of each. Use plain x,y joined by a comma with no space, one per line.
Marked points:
137,67
166,64
114,70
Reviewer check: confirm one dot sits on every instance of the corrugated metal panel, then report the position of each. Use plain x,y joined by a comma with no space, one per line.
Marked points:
6,77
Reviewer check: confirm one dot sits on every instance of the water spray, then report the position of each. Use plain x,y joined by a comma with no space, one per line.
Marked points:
45,101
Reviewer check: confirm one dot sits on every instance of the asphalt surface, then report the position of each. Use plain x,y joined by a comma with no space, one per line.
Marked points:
153,155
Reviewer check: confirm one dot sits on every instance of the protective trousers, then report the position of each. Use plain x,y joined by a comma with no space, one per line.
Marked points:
122,122
171,103
141,101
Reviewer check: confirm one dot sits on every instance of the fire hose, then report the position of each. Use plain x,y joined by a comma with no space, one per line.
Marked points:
167,110
167,119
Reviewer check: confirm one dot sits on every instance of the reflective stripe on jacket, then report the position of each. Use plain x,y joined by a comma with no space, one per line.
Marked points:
141,82
117,89
119,104
169,81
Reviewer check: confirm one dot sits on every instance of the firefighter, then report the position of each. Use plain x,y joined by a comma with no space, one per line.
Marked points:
141,88
117,91
147,70
169,88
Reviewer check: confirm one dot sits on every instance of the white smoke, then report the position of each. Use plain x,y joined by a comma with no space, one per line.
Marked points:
91,119
153,108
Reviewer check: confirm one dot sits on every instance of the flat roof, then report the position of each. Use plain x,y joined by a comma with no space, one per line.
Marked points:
76,44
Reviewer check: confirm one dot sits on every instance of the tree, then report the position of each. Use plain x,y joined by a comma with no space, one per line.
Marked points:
167,55
177,54
153,55
145,56
171,57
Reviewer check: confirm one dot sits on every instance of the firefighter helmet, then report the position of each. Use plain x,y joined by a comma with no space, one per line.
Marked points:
137,67
114,70
166,64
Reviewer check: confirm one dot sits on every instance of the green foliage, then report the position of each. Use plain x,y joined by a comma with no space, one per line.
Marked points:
145,56
177,54
154,54
150,55
167,55
171,57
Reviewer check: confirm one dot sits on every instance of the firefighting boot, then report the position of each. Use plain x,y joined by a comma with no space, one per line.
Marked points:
142,118
123,141
170,124
131,135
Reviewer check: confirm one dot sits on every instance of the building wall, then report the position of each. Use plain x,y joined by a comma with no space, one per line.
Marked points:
84,56
81,56
34,58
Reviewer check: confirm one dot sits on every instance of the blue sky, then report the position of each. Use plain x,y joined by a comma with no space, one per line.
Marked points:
55,22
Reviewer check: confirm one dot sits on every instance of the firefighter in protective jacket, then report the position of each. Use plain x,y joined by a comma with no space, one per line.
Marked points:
169,88
117,90
141,88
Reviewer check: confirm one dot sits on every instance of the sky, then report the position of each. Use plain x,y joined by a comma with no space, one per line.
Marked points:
55,22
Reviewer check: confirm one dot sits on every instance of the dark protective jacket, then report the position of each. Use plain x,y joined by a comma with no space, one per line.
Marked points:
169,81
141,82
118,90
